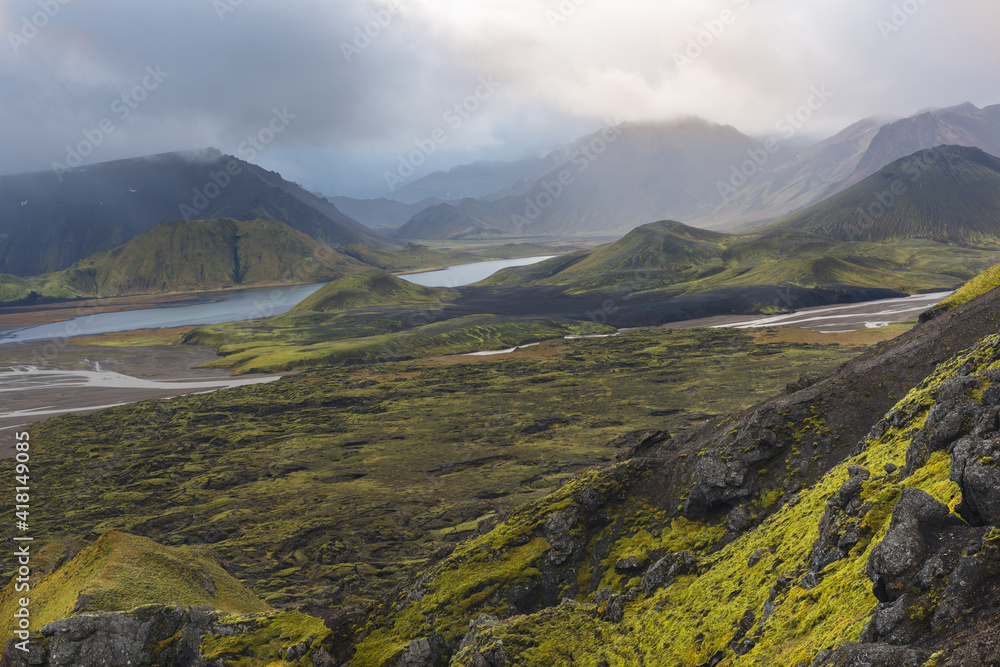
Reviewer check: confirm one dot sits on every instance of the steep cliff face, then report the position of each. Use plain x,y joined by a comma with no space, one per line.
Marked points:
854,516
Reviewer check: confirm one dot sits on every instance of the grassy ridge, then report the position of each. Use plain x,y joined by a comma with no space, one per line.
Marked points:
981,284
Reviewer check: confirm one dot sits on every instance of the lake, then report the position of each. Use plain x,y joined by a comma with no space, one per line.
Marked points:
234,306
466,274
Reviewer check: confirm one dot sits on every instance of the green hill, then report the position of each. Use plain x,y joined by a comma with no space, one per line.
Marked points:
191,256
677,259
949,194
373,288
658,254
120,572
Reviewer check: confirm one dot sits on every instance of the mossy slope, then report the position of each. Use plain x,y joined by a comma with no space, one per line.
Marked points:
372,288
749,603
191,256
120,572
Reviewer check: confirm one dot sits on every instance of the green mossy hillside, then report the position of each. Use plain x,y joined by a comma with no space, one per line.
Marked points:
192,256
752,601
121,572
372,288
675,265
985,282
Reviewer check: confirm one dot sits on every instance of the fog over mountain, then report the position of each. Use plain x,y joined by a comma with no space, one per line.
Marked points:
366,83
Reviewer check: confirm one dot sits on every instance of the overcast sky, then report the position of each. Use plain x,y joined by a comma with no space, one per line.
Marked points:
135,77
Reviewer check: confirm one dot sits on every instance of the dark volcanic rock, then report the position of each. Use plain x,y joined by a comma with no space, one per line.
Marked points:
974,469
426,652
610,605
148,636
871,655
842,525
664,571
896,560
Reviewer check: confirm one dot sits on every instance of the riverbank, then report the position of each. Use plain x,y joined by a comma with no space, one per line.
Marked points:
80,380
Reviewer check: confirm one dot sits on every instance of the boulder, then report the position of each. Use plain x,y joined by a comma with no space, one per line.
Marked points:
974,467
871,655
665,571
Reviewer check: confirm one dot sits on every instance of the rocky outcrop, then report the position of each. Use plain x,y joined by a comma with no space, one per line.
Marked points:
927,572
426,652
727,476
665,571
842,525
954,414
157,635
479,648
871,655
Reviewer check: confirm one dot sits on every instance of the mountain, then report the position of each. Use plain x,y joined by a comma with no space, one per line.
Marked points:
47,222
962,125
373,288
792,186
617,179
706,175
447,221
383,215
654,255
478,179
194,256
949,194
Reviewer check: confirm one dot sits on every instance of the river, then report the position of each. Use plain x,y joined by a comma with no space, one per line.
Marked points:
235,305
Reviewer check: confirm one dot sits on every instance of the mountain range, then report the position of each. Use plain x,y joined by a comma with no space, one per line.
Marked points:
698,172
928,221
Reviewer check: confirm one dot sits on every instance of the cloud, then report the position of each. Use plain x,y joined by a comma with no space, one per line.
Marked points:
367,79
